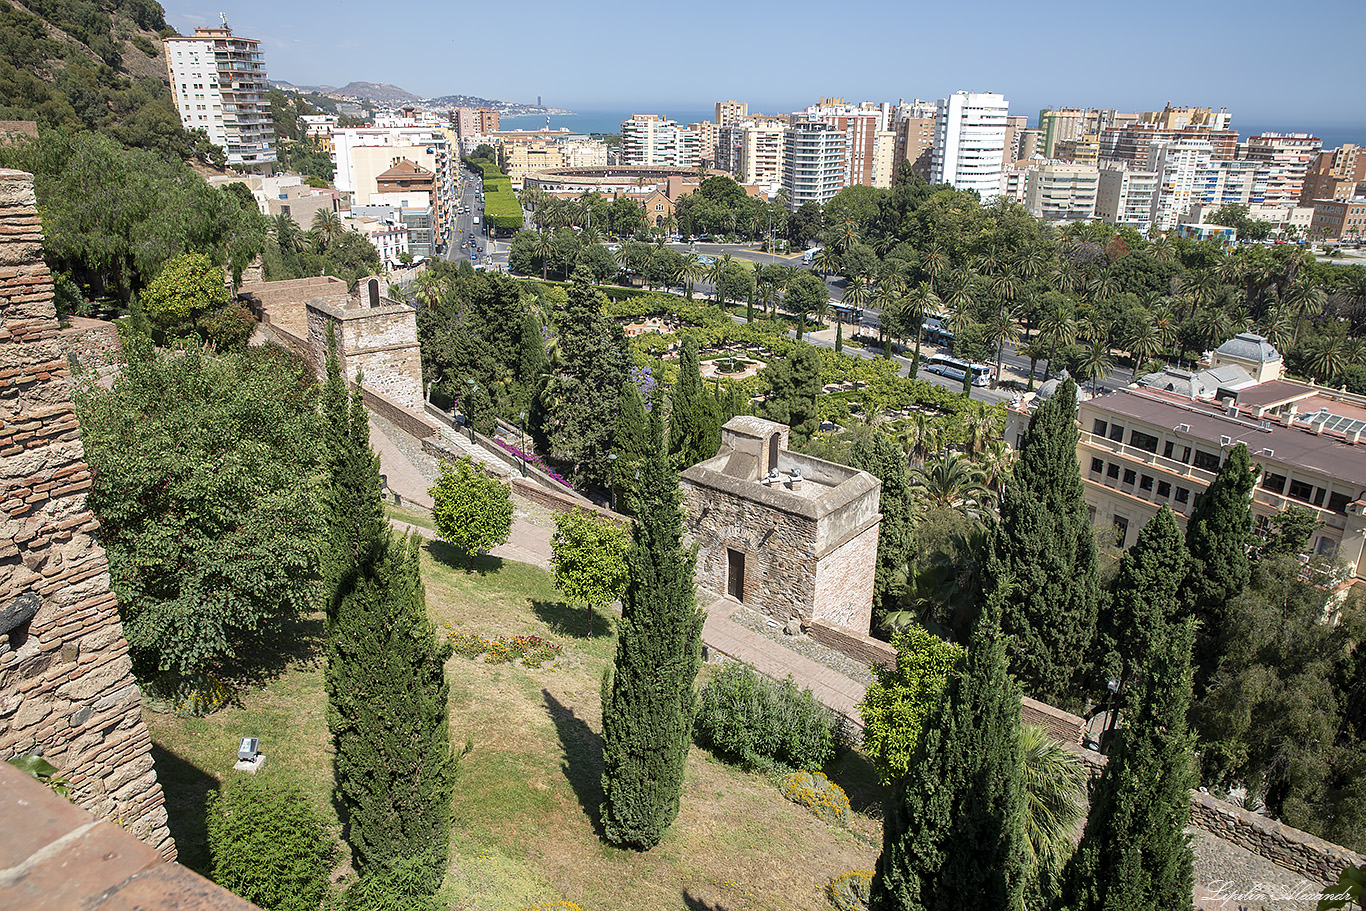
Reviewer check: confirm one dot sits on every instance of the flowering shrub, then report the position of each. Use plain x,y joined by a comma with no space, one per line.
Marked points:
743,716
644,379
532,650
554,906
850,891
532,459
817,793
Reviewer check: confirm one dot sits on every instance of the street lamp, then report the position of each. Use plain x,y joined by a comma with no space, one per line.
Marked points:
611,481
522,419
469,406
1112,685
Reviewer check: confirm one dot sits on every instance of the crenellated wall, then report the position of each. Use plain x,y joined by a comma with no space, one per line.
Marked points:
66,684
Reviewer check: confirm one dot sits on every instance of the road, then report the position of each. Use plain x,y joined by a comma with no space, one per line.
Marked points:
481,250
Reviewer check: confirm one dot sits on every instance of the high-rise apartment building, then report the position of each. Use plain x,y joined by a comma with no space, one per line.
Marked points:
486,121
1334,174
813,162
1062,192
463,121
1292,154
913,126
1015,127
706,141
648,139
869,141
361,155
219,84
969,142
728,112
752,151
1178,164
1125,197
1060,125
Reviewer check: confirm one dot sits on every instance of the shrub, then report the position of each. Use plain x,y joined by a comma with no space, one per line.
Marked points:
532,650
267,843
818,794
849,891
406,886
744,716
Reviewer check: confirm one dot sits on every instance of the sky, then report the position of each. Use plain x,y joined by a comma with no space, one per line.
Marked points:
1257,58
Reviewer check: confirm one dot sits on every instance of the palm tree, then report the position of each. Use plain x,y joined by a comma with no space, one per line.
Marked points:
1003,329
981,425
858,294
1036,349
846,234
914,306
919,436
1326,357
1054,782
1304,298
327,227
1096,362
961,300
934,262
544,247
825,261
692,271
1143,343
1057,327
996,461
951,482
287,235
1280,328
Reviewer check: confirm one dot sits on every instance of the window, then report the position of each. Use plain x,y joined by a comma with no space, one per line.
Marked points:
1186,454
1117,433
1325,546
1112,470
1274,483
1146,483
1318,496
1097,466
1140,440
1206,460
1164,489
1130,476
1099,427
1167,450
1183,495
1301,491
1338,503
1121,530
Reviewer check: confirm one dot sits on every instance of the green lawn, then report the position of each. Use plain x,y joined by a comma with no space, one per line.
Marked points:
526,803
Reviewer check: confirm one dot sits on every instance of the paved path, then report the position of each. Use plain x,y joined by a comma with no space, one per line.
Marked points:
831,688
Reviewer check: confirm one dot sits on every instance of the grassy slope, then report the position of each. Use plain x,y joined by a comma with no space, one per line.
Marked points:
526,804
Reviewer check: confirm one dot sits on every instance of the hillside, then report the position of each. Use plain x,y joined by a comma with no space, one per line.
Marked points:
380,92
78,66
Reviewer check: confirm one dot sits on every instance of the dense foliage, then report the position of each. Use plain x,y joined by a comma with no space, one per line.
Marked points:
588,556
895,706
203,482
472,511
768,724
648,697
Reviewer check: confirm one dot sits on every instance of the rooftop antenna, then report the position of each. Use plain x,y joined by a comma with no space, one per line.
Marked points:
224,17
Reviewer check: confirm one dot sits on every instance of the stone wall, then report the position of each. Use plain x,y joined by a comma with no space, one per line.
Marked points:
66,685
779,549
380,342
844,583
90,344
859,647
1313,858
1058,724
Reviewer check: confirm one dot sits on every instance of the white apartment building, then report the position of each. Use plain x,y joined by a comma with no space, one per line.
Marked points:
383,227
364,153
1237,181
869,140
1178,164
219,85
649,140
813,163
1062,192
752,150
728,112
1292,154
969,142
1125,197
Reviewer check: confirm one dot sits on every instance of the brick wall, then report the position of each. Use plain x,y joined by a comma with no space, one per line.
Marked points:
66,685
844,582
1060,725
560,502
380,342
859,647
91,343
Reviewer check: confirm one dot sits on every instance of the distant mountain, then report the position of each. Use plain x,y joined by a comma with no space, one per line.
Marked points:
379,92
291,87
506,108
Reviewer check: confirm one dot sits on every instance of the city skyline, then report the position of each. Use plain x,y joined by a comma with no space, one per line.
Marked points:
1035,60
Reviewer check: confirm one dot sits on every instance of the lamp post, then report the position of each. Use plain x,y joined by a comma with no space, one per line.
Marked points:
611,481
522,427
1112,685
468,409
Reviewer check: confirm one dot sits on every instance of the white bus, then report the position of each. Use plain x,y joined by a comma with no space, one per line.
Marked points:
954,369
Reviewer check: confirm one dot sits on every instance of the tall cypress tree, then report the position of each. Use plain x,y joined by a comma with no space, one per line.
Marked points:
648,700
1043,564
1134,854
632,442
1146,595
386,686
694,425
1217,537
881,457
954,827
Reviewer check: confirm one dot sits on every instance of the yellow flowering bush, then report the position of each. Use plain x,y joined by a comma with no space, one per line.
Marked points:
817,793
850,891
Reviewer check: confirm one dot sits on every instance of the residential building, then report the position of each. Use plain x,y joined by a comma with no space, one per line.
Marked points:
1124,197
486,121
648,140
1059,126
729,112
1178,164
319,127
913,125
1291,154
1029,144
463,121
220,86
1160,443
813,162
1340,219
1085,149
1057,191
363,154
584,153
1132,141
1236,182
706,141
384,227
869,141
969,142
752,150
520,159
1335,174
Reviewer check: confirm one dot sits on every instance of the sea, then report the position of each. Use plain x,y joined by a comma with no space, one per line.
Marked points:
610,122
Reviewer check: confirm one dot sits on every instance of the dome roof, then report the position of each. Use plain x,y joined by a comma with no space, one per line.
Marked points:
1249,346
1051,386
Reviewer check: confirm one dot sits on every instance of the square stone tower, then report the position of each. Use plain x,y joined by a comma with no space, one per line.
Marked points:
790,535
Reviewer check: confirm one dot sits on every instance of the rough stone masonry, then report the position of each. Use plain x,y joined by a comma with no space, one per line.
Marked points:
66,683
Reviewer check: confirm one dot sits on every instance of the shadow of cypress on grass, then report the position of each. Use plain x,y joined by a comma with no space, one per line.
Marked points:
582,764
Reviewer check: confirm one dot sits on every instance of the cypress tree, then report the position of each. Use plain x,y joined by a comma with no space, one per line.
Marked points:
695,421
881,457
1217,537
1134,854
954,827
632,442
386,686
1146,595
839,338
1043,565
648,699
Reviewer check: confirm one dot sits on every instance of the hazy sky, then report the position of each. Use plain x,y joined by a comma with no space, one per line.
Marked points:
1266,62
